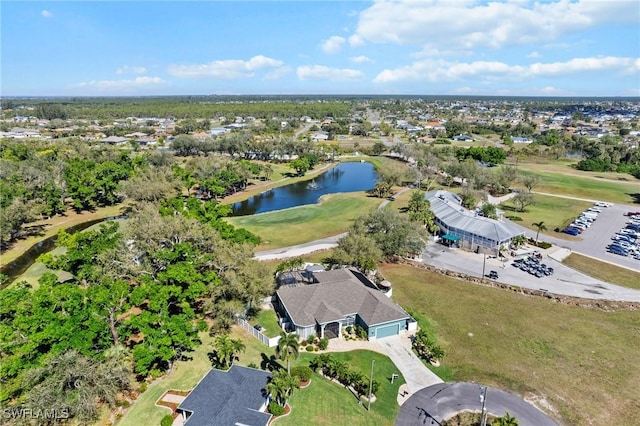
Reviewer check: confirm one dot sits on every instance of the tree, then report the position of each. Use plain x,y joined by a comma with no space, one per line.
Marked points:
489,210
77,382
300,165
518,240
394,234
358,250
522,200
281,386
530,181
287,348
152,184
226,349
419,211
506,420
426,347
540,226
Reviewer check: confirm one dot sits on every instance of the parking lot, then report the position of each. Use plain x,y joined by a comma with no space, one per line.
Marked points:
565,281
595,239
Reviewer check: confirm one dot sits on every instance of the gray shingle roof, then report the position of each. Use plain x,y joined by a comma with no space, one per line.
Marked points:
446,208
228,398
336,294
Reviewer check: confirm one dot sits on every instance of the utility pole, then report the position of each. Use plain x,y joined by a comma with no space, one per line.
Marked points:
484,262
483,399
373,361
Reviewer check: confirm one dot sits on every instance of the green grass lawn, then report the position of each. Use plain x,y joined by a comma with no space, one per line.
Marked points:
587,187
334,214
268,319
583,361
603,270
328,403
555,212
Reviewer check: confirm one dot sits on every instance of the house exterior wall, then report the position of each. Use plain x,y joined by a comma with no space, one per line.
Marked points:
305,332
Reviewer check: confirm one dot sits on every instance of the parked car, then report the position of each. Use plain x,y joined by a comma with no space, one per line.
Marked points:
603,204
571,231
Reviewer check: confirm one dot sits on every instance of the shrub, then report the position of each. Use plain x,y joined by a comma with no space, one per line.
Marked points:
302,373
311,339
544,244
143,387
253,365
514,218
323,344
349,329
276,409
304,343
309,348
361,332
317,349
166,420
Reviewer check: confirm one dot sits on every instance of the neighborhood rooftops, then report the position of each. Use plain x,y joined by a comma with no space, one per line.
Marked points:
227,398
335,294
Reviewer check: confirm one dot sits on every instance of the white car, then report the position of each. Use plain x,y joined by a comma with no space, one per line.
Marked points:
603,204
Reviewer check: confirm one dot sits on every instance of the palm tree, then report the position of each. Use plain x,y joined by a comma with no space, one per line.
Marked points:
281,386
541,227
227,348
506,420
287,348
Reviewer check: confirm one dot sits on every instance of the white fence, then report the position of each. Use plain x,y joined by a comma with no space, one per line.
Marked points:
270,342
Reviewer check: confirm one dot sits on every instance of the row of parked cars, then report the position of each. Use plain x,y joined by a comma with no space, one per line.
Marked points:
626,242
586,218
533,265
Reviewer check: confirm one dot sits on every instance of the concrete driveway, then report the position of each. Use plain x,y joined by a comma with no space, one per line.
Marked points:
415,373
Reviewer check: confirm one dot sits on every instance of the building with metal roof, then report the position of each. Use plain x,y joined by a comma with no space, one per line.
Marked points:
467,229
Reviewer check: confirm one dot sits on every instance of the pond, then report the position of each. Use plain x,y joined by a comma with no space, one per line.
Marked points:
345,177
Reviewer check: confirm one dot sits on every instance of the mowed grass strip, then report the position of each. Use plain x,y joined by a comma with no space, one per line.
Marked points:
584,362
587,187
555,212
603,270
333,215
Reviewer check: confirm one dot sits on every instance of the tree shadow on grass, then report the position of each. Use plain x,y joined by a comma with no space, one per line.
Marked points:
270,363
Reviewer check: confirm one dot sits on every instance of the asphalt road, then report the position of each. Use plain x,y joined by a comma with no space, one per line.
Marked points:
432,405
565,281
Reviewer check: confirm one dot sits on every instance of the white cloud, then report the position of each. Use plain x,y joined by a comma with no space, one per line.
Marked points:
131,70
123,85
46,13
360,59
355,41
333,44
464,25
321,72
534,54
277,73
441,70
226,69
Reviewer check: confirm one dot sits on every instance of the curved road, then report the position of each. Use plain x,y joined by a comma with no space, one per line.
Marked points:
432,405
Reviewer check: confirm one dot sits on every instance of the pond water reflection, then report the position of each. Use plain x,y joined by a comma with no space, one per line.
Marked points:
345,177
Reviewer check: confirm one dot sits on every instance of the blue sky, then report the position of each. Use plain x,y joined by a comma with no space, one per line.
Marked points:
419,47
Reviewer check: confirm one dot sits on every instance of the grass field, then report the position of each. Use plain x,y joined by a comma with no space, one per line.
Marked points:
584,362
334,214
555,212
586,187
603,270
268,319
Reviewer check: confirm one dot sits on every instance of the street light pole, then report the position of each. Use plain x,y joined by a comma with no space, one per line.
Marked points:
373,361
484,262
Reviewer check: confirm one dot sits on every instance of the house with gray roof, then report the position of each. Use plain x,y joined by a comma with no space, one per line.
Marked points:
466,228
327,301
227,398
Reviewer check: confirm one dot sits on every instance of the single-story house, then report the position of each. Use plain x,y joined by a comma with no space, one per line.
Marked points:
115,140
463,138
227,398
467,229
327,301
519,139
